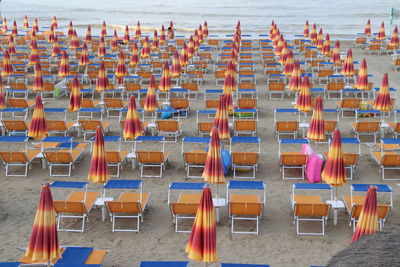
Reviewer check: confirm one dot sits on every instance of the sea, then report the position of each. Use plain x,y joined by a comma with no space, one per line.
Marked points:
340,18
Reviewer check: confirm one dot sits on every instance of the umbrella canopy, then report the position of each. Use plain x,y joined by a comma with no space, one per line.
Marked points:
56,47
102,78
14,30
170,32
213,171
4,27
165,82
289,64
362,79
279,46
38,126
200,32
163,39
54,24
98,172
135,56
88,36
51,36
155,43
295,78
145,53
233,58
228,88
326,48
138,32
43,246
150,103
114,42
26,22
75,98
184,58
394,40
101,51
196,42
84,58
231,69
348,66
382,101
205,29
6,69
38,79
202,244
284,54
221,118
64,66
381,32
132,127
335,58
190,47
120,70
313,35
176,69
103,30
320,39
3,104
11,46
34,56
304,101
367,29
74,44
70,30
126,35
368,220
306,31
316,131
334,172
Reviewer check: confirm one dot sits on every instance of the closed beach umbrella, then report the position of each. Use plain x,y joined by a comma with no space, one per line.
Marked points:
306,31
381,33
362,79
70,30
335,58
132,127
84,58
200,32
56,47
163,39
4,26
289,64
368,220
196,42
98,172
284,54
114,42
279,46
304,101
165,82
382,101
295,78
75,98
213,170
74,44
51,36
43,246
104,30
320,41
154,43
184,58
221,119
202,244
126,35
120,70
171,33
348,66
334,172
14,30
38,126
135,56
3,104
145,53
138,32
11,46
33,35
6,69
88,36
394,40
190,47
205,29
313,35
367,29
228,88
326,48
231,69
233,57
101,51
64,66
34,56
150,103
37,79
176,69
54,24
26,22
102,78
316,131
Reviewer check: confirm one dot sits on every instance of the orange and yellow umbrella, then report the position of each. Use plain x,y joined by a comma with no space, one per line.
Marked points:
221,118
313,35
289,64
14,30
114,42
200,32
138,32
184,58
70,30
228,88
33,35
382,101
11,46
104,30
394,40
26,22
84,58
205,29
348,66
335,58
165,82
135,56
6,69
98,172
34,56
38,126
38,79
284,54
334,172
367,29
155,42
295,78
102,48
362,79
176,69
196,43
64,66
51,36
171,33
326,48
202,244
74,44
213,170
56,47
163,40
132,127
102,78
43,246
145,53
304,101
75,99
233,56
368,220
150,103
126,35
231,69
306,31
120,70
279,46
4,27
54,24
190,47
88,36
3,104
316,131
381,32
320,39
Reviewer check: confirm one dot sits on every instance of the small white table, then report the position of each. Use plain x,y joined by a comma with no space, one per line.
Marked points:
335,205
218,203
152,127
100,202
132,156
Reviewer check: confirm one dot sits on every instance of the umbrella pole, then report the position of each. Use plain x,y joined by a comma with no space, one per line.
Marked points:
335,210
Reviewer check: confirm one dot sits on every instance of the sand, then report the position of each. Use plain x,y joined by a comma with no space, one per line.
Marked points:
277,243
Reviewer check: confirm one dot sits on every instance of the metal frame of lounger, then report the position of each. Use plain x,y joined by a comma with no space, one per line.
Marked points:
323,220
309,186
245,140
193,140
16,139
283,167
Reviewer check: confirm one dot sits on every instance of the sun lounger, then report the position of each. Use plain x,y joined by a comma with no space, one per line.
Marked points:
116,159
349,104
59,126
164,264
63,158
182,105
89,127
387,161
21,103
286,128
194,158
318,212
245,160
293,160
157,159
169,128
366,128
204,128
113,105
276,88
310,198
15,127
245,127
193,90
18,158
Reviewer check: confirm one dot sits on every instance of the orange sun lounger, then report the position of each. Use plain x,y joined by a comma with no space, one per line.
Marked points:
18,158
184,208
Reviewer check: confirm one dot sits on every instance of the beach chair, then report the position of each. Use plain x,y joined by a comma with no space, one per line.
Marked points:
244,161
182,105
323,75
15,127
360,42
374,49
89,127
293,160
276,88
164,263
63,158
194,159
310,212
245,127
395,128
247,103
193,89
17,88
116,159
157,159
387,161
349,105
132,89
286,128
113,105
169,128
59,126
18,159
334,88
330,127
48,90
128,205
395,65
21,103
366,128
219,76
204,128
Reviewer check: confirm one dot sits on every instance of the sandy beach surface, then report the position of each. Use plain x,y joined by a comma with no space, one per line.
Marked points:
277,243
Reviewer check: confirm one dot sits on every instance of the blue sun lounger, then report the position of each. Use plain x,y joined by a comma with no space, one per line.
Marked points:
10,264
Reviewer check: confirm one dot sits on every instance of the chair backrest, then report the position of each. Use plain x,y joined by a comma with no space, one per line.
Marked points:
179,103
13,156
286,126
350,158
318,210
220,74
247,103
18,85
247,85
194,87
246,72
167,125
15,125
92,74
132,87
184,208
213,42
245,125
330,126
273,72
205,127
48,86
58,156
276,86
150,156
17,102
87,103
56,125
325,72
124,207
198,73
113,103
245,157
113,157
390,160
374,47
335,86
144,74
61,206
249,209
361,40
397,62
383,211
212,103
195,157
293,159
367,126
350,103
89,125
